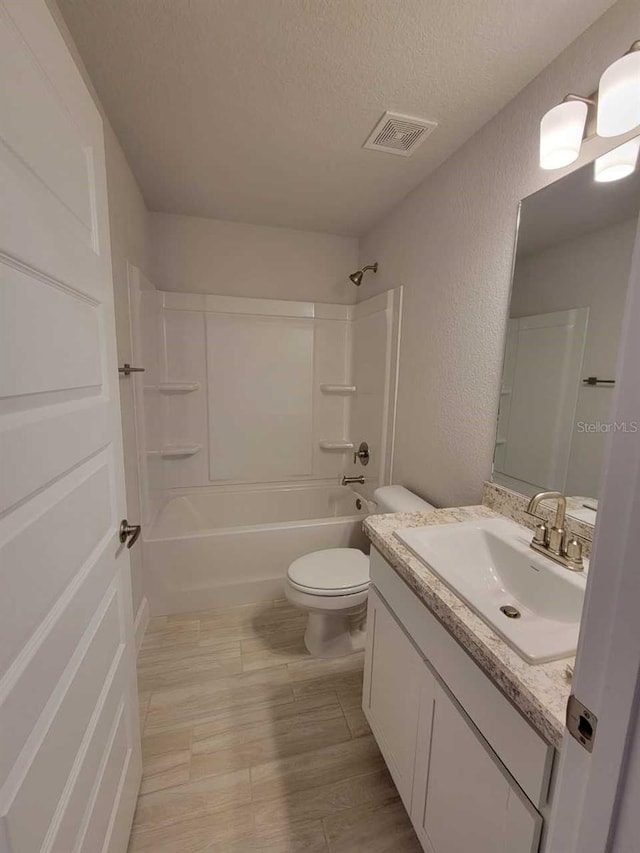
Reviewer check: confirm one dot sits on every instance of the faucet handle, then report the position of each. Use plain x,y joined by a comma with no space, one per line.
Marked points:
573,553
541,533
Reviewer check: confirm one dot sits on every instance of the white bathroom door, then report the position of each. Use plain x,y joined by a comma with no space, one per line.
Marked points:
542,373
69,739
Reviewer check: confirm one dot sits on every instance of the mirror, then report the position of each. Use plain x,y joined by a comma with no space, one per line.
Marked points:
570,279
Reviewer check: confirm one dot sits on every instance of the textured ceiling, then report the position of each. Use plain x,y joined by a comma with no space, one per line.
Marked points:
256,110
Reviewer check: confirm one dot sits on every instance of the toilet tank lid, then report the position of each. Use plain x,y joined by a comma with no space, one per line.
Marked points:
399,499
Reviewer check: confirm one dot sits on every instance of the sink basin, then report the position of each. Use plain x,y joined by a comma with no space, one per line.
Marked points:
532,602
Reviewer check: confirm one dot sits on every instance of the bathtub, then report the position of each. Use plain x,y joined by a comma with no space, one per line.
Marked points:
233,546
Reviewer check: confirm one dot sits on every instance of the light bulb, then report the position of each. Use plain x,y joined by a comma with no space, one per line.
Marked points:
619,96
561,132
618,163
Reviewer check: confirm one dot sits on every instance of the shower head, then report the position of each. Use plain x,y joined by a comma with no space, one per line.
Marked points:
356,277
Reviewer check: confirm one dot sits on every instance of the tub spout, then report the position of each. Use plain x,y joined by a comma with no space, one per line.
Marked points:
348,481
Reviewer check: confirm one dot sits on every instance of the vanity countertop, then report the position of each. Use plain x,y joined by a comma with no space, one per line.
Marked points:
539,691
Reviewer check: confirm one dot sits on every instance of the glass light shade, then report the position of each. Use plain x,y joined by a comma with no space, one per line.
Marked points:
561,132
618,163
619,96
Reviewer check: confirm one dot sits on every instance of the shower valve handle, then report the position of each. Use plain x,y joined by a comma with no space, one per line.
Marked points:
362,453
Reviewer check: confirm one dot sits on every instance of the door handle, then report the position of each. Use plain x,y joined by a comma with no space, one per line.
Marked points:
130,532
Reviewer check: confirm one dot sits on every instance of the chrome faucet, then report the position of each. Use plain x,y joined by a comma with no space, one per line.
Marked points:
554,541
348,481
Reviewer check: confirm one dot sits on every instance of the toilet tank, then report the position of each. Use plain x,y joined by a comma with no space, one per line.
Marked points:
399,499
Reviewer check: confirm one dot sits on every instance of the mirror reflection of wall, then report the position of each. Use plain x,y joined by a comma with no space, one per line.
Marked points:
570,279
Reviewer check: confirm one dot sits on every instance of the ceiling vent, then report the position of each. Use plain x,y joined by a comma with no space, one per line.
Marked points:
398,134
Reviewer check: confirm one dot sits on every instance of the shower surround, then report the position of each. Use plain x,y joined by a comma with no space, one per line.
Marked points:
248,415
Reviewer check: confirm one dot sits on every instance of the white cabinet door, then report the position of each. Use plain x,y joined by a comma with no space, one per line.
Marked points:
463,800
69,738
395,678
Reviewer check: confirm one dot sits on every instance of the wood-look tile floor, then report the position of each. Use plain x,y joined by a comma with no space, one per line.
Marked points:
249,744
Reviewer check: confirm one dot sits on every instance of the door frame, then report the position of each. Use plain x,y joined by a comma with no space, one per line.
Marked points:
606,679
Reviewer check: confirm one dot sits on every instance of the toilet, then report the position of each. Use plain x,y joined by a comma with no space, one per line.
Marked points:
332,585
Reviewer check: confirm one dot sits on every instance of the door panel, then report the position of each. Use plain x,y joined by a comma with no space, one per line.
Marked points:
66,327
69,740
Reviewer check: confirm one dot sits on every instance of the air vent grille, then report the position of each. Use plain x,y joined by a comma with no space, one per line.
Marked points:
398,134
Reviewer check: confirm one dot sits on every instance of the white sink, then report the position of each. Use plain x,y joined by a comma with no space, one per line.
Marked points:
489,564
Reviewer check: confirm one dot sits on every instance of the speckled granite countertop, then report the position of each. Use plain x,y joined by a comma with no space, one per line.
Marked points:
540,691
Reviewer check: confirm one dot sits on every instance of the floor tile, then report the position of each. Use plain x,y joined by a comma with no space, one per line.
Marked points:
274,656
150,656
290,633
357,722
323,801
312,668
230,722
193,800
156,623
198,702
165,771
217,830
171,637
340,675
374,829
296,729
298,837
265,624
144,697
189,670
170,740
281,777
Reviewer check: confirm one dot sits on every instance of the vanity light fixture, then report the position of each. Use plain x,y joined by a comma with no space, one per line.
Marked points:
561,132
619,95
617,112
617,163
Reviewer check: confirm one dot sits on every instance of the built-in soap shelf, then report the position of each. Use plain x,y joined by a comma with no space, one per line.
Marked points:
328,388
177,451
173,387
337,446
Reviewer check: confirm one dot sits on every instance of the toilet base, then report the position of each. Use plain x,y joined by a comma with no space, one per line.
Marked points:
333,635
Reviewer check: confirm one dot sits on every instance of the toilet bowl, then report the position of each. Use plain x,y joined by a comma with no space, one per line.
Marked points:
332,585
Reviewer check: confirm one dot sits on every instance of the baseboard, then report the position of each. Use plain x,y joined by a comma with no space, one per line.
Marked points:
141,622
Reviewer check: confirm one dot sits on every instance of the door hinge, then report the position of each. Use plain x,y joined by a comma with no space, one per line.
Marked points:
581,722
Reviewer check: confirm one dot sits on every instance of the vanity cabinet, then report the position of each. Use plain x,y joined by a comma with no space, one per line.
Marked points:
397,686
459,792
462,798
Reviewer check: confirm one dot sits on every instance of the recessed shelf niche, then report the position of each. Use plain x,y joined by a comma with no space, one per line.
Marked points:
343,390
337,446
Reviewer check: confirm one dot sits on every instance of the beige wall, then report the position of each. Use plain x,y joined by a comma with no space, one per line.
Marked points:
450,243
128,221
196,255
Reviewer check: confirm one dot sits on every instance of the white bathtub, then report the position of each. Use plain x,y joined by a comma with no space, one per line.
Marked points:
234,546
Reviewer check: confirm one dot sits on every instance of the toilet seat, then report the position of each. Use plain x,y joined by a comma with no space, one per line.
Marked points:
331,572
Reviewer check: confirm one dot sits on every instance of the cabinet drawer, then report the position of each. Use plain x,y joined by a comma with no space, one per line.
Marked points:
526,755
